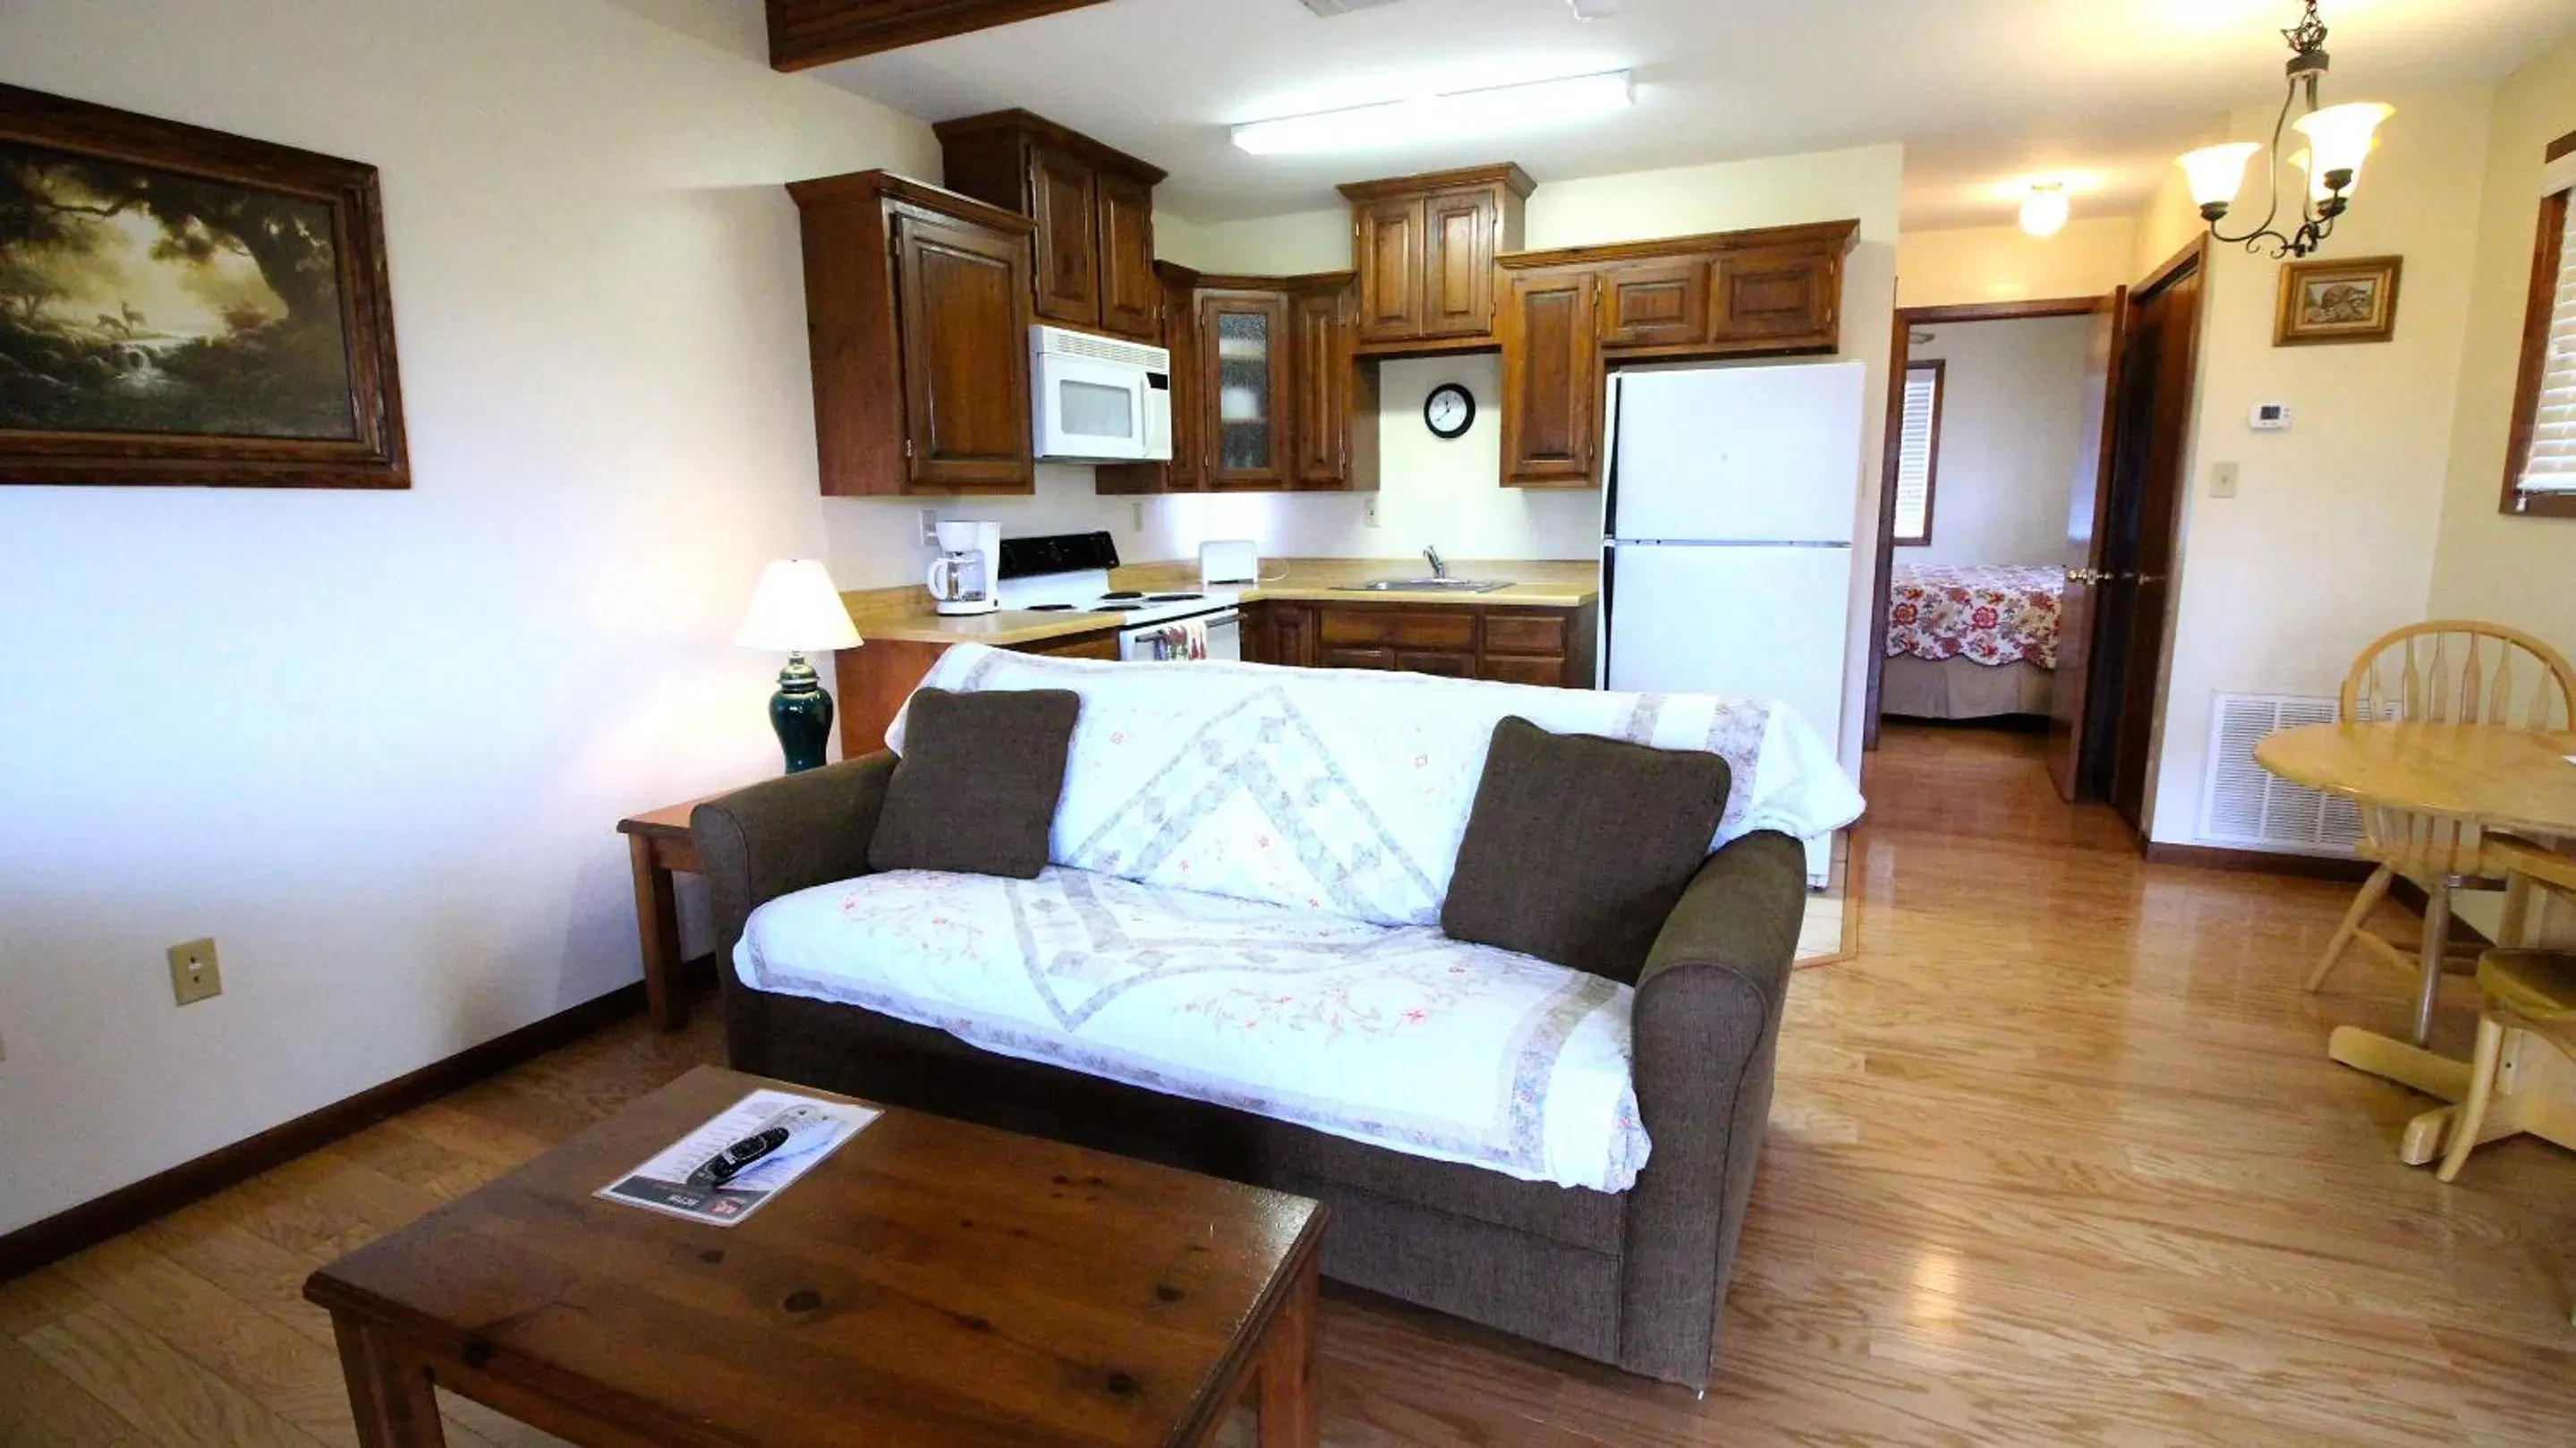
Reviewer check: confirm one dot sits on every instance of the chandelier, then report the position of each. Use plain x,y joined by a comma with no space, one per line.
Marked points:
2339,137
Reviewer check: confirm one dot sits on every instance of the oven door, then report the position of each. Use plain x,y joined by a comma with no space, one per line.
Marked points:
1224,631
1089,410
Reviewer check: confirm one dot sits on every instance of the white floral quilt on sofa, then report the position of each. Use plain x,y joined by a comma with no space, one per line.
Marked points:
1249,867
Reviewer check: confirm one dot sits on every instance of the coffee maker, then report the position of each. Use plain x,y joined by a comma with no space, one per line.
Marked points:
969,565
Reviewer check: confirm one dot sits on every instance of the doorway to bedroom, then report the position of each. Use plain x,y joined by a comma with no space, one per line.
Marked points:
2027,531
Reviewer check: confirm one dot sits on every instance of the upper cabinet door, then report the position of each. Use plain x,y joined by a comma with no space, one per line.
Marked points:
1389,254
965,356
1243,360
1322,408
1553,378
1655,303
1458,234
1130,293
1064,200
1777,298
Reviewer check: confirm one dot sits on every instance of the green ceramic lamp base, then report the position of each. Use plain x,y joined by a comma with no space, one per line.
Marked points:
802,714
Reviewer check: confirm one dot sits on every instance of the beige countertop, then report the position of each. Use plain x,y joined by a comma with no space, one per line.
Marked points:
905,615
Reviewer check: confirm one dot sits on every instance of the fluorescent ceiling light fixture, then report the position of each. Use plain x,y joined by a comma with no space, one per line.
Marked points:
1455,116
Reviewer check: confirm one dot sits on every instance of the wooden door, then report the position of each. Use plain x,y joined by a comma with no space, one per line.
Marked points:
2146,508
1552,378
1130,293
1458,230
1776,297
1064,200
963,333
1388,251
1655,303
1243,372
1321,365
1292,635
2087,496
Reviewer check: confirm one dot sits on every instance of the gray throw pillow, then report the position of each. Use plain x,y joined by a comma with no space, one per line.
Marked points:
1579,846
977,787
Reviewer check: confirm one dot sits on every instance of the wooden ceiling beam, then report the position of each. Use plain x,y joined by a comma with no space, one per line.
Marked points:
808,33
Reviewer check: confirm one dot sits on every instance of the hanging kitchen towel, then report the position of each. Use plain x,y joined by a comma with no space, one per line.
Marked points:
1186,641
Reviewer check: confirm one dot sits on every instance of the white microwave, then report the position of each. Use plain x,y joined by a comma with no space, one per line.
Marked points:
1099,399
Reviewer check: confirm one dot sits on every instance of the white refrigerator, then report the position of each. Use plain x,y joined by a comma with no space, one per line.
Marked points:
1726,558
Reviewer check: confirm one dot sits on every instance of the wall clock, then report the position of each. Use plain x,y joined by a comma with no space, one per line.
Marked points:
1449,411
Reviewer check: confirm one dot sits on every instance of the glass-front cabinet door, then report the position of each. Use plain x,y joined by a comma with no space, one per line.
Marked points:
1243,341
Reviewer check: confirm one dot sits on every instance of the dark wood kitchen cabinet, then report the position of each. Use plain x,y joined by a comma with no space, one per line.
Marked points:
1243,369
917,314
1779,298
1092,247
1425,248
1266,392
1553,377
1513,643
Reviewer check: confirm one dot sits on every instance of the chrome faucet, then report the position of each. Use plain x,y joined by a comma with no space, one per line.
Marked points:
1438,568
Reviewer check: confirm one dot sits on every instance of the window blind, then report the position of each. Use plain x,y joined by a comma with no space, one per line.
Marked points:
2552,465
1914,453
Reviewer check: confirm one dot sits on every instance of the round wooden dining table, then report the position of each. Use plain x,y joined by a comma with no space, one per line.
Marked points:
2516,781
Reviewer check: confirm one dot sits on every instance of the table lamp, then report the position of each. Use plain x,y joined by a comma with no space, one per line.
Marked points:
796,610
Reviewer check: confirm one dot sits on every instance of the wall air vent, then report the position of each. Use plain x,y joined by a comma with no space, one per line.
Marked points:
2246,806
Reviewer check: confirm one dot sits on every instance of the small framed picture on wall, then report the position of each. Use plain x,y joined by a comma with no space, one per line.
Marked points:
2352,300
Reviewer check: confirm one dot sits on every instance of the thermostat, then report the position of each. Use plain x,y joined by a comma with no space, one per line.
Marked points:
2270,417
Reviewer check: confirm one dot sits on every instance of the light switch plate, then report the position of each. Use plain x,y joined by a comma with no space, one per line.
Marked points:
194,973
2222,480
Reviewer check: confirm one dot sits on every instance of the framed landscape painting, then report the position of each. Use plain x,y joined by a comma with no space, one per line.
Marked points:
179,306
2337,301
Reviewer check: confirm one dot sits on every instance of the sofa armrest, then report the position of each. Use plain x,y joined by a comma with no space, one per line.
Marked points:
788,834
1705,1027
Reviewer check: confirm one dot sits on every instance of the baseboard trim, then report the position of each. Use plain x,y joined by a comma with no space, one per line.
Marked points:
75,1228
2211,857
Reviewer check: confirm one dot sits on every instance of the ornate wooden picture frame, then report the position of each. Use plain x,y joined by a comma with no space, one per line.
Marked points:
183,307
2344,300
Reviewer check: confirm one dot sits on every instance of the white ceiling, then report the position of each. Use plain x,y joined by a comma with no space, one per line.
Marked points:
1982,92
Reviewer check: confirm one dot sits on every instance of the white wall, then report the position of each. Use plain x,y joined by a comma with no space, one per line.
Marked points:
2516,570
375,743
2004,264
2331,540
2011,414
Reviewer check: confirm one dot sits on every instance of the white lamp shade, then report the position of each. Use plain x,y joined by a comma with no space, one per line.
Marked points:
2341,136
797,610
2044,211
2215,172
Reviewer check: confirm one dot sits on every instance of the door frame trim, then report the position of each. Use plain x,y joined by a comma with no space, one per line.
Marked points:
1906,320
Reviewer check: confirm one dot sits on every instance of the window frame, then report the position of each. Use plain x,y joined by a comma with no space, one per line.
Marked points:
1939,367
2540,303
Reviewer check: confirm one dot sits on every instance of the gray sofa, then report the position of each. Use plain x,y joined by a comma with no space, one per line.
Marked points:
1635,1279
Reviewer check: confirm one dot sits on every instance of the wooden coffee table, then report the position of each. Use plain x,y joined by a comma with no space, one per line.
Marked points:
930,1283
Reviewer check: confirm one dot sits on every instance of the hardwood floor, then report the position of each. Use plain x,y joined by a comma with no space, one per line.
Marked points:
2058,1158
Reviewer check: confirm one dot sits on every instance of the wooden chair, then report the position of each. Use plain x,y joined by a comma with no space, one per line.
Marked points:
2445,671
2528,997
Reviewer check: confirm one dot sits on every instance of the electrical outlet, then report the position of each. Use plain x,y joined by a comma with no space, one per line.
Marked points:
1370,518
2222,480
194,974
930,526
1136,519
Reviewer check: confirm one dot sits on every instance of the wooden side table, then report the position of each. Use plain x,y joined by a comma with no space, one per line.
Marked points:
659,845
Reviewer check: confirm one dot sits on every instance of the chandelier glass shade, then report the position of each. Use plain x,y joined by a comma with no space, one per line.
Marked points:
2339,139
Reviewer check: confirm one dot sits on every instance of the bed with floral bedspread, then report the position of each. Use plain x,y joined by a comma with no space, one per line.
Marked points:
1989,613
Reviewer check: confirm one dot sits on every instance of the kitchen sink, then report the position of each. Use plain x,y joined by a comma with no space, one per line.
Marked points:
1422,585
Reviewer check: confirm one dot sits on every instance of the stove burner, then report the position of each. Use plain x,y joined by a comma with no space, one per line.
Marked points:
1050,608
1116,607
1122,593
1175,597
